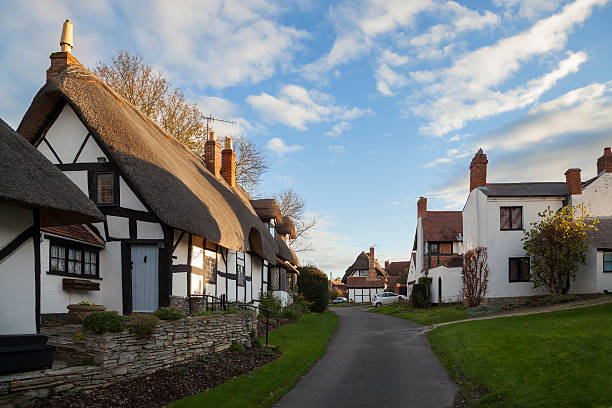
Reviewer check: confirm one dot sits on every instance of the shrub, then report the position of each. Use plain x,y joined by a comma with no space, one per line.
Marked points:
312,284
425,280
553,300
168,313
255,341
237,348
79,336
475,275
142,325
420,295
103,322
482,310
271,303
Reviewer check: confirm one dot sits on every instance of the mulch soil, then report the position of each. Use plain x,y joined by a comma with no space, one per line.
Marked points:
171,384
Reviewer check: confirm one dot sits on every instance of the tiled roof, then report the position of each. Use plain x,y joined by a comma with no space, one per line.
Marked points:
453,261
77,232
362,282
442,226
602,238
396,268
544,189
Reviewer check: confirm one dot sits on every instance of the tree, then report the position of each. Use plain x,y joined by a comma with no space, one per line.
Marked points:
293,206
150,92
312,284
475,276
556,245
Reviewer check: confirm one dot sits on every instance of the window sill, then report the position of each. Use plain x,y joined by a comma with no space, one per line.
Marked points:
73,275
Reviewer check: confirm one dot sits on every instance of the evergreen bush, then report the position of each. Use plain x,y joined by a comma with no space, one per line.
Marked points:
168,313
420,295
312,284
142,325
103,322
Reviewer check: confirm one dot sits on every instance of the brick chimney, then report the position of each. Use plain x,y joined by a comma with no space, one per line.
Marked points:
422,207
371,270
573,181
228,163
60,60
387,263
604,163
212,151
478,170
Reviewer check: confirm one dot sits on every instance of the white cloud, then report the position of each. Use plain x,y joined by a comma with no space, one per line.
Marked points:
297,107
336,148
462,90
278,146
338,129
528,8
358,26
386,77
216,106
451,156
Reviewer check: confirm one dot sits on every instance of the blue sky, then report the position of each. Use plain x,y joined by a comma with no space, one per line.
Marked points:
361,106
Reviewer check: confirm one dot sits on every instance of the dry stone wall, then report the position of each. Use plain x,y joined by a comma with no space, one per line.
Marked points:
118,356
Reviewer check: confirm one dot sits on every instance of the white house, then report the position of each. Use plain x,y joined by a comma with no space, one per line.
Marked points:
177,226
33,194
365,278
496,215
437,246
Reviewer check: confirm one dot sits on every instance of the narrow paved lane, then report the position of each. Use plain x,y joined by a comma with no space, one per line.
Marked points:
374,361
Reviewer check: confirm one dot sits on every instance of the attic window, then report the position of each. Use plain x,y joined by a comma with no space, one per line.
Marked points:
106,189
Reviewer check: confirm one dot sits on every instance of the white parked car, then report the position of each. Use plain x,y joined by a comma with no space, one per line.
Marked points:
386,298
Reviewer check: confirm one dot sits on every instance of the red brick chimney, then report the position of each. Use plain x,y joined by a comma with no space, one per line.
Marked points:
60,60
228,163
573,181
371,270
604,163
478,170
387,263
212,151
422,207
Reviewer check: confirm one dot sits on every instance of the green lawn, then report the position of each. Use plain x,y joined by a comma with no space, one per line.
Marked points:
436,314
558,359
302,344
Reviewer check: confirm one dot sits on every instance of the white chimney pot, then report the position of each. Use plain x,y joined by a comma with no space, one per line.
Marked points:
67,40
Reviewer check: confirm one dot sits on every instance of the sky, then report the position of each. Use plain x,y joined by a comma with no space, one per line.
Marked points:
361,106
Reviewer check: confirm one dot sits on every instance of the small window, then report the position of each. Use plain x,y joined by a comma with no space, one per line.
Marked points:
511,218
210,268
70,259
240,275
519,270
607,262
433,248
105,188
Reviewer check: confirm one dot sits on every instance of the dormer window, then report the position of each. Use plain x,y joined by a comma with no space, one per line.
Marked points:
106,188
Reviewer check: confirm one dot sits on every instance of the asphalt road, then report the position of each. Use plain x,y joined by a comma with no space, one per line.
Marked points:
374,361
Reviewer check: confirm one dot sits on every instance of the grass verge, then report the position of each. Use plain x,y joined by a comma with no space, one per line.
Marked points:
436,314
557,359
302,344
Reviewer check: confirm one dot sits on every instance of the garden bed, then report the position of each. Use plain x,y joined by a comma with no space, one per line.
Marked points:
167,385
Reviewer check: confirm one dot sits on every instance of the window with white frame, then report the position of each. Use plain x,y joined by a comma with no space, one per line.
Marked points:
607,262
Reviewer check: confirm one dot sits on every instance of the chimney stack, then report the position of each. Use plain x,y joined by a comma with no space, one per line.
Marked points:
212,151
422,207
60,60
228,163
604,163
478,170
387,263
371,270
573,181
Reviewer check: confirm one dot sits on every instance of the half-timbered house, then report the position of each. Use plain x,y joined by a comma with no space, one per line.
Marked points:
365,278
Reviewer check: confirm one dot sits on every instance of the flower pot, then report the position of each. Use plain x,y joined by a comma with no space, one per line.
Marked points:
77,313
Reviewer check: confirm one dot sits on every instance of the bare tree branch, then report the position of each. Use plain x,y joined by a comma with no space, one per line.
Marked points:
293,206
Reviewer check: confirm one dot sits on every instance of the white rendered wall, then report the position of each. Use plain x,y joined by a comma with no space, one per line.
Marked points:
118,227
451,284
285,298
586,276
419,248
55,299
597,196
604,280
80,179
257,277
365,298
91,151
474,221
128,198
66,135
111,288
503,245
148,230
17,283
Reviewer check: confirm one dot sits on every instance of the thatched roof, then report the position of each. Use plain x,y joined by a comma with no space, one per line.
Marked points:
27,178
173,181
363,262
287,227
284,252
267,209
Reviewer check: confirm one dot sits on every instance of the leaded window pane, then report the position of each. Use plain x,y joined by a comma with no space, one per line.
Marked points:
517,218
504,218
105,184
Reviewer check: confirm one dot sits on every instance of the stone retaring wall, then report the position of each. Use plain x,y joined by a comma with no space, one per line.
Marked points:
118,356
181,303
